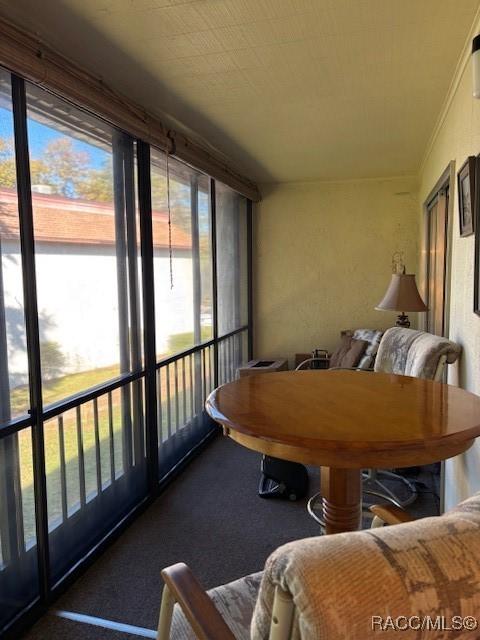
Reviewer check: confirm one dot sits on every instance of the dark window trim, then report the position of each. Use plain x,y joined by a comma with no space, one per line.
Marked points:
39,413
27,243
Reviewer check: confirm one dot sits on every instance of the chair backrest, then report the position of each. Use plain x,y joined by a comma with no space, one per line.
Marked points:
347,585
415,353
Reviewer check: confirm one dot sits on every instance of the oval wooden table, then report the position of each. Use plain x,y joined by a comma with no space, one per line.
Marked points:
344,421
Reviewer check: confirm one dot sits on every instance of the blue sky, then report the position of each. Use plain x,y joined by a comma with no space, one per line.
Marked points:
39,135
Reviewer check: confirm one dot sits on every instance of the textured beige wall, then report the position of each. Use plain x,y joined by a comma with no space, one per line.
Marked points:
459,137
323,259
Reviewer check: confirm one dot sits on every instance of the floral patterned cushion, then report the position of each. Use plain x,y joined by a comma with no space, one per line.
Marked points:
235,602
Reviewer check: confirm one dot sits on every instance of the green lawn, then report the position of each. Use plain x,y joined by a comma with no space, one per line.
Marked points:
54,390
69,385
60,388
52,457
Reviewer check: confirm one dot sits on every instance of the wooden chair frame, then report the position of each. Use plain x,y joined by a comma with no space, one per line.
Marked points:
182,587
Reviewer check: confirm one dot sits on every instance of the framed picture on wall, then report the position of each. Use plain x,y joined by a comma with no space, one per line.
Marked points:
466,196
476,268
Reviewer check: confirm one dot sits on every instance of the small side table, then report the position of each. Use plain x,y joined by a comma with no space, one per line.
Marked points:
262,366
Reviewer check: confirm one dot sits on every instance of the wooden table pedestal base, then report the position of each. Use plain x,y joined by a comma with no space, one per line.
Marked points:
342,499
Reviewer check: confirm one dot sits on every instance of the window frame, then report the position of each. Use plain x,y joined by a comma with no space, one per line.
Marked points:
143,373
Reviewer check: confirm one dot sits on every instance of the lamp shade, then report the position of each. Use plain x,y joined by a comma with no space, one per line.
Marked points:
476,66
402,295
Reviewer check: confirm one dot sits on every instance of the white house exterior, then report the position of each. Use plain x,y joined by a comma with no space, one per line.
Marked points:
77,290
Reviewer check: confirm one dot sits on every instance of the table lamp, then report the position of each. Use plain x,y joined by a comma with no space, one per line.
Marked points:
402,295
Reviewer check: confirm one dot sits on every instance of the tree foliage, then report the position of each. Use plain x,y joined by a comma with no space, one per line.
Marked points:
98,184
64,169
8,176
53,360
68,172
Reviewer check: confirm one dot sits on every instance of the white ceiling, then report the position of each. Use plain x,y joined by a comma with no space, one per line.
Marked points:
288,89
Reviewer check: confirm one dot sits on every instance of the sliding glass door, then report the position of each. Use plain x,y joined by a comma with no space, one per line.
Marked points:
182,255
19,584
124,301
86,270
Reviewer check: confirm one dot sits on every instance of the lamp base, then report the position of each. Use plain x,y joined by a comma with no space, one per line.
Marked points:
403,321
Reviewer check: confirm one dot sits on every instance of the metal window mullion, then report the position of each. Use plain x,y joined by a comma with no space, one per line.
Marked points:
197,289
197,276
15,426
213,217
98,456
232,357
250,277
111,437
184,392
204,375
148,296
159,406
81,456
132,247
122,289
133,293
191,359
63,467
177,404
169,401
27,243
237,262
225,352
210,367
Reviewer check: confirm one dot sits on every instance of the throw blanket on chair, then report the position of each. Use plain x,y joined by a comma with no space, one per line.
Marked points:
413,353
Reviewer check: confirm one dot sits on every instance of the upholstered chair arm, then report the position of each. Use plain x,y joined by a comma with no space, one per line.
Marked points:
347,585
389,514
182,586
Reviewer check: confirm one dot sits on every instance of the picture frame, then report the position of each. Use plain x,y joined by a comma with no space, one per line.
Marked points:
476,269
466,197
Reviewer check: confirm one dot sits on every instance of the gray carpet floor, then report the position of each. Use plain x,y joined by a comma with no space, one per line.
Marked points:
212,519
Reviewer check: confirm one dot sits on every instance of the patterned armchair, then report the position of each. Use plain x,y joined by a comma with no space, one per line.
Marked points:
349,585
409,353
